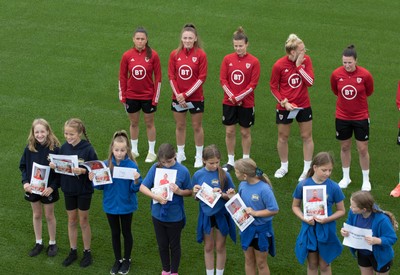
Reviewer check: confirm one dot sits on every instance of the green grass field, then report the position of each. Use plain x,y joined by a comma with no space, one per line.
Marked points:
60,59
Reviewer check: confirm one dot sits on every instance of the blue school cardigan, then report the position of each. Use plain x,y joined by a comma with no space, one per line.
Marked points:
381,228
263,231
321,237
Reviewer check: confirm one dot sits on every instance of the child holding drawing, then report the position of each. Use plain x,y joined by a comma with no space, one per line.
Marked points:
214,224
120,200
317,240
77,190
168,216
364,213
257,239
41,143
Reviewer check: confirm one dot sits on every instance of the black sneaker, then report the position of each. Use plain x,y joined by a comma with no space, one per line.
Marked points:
115,268
36,250
72,256
87,259
227,167
52,250
126,264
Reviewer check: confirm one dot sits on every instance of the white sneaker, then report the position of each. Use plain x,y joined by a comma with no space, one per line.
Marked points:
150,157
198,162
366,186
280,173
344,183
303,176
227,167
180,157
135,154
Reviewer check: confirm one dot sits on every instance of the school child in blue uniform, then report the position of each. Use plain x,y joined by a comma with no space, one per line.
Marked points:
364,213
120,200
41,143
214,224
77,190
168,216
258,238
317,241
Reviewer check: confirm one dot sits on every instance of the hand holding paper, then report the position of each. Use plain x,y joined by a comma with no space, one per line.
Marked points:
293,113
208,195
358,238
189,105
124,173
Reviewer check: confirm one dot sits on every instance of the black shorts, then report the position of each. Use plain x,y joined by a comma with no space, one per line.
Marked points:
78,202
134,105
254,243
213,221
303,115
369,260
198,107
43,199
345,129
236,114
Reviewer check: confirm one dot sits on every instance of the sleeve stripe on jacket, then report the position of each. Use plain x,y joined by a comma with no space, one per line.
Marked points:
243,95
157,97
173,87
227,91
306,76
194,88
119,90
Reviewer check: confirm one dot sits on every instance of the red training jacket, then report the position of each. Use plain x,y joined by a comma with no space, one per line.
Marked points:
187,71
136,76
291,82
239,78
352,90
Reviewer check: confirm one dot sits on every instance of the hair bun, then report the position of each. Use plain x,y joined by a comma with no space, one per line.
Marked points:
189,26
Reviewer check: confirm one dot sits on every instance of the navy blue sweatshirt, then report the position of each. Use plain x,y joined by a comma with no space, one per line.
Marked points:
78,185
40,157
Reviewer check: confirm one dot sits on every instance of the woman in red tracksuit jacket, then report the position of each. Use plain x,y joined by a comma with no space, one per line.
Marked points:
187,71
290,78
239,75
139,88
352,84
